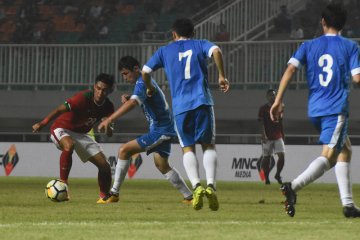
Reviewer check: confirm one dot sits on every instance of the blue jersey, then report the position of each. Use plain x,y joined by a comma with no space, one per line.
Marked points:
329,60
155,108
185,64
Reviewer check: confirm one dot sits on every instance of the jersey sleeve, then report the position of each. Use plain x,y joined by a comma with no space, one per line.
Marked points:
355,61
208,47
155,62
299,57
139,93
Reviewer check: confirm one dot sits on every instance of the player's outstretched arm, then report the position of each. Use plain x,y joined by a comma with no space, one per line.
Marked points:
277,107
51,116
122,110
223,82
150,89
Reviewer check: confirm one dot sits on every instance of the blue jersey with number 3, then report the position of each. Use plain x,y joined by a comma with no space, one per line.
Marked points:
185,64
329,60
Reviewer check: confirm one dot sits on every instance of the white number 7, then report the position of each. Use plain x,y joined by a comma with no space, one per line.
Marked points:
188,54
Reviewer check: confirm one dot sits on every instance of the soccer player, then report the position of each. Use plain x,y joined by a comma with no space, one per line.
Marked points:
272,142
185,63
330,60
157,141
69,132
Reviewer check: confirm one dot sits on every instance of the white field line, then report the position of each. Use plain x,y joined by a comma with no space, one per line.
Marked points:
145,223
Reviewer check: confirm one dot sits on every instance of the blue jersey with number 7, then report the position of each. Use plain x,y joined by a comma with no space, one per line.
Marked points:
185,64
330,60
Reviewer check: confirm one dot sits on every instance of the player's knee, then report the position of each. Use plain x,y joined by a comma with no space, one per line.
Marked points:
124,152
163,167
69,146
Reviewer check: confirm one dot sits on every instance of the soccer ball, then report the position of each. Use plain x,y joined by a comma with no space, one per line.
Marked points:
56,190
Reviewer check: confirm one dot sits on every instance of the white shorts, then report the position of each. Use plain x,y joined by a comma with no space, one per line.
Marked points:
85,145
273,146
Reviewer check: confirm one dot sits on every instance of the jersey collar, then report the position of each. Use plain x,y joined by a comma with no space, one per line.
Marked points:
183,39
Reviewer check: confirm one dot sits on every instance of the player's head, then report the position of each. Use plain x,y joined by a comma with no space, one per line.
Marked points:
334,16
270,95
183,27
104,85
129,68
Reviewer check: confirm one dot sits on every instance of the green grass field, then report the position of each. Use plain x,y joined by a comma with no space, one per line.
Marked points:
152,209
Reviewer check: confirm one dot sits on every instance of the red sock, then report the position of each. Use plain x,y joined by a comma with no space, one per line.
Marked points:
65,165
104,180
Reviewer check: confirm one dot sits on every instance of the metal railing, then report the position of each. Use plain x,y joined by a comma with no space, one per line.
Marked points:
248,65
243,17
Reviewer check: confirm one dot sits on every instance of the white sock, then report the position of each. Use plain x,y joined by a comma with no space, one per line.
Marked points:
315,170
120,173
174,177
210,164
191,166
342,171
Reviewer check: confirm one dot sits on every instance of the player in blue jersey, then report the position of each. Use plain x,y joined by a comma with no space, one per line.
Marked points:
330,60
161,130
185,64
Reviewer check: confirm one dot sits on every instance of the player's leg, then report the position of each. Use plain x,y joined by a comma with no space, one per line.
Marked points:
172,175
267,148
342,171
279,150
64,142
104,175
205,134
279,166
185,128
331,128
122,165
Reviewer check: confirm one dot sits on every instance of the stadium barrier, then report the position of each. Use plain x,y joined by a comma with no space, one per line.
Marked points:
248,64
236,162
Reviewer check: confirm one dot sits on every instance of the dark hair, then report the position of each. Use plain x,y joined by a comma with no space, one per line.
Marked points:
106,78
273,91
334,16
128,62
183,27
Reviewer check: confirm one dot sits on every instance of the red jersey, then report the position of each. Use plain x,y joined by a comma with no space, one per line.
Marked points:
273,130
83,112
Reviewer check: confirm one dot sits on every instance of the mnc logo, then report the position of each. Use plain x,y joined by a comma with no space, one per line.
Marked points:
243,166
244,163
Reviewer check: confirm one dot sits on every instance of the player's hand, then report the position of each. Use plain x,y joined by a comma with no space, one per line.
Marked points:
104,125
150,91
37,127
276,111
125,97
224,85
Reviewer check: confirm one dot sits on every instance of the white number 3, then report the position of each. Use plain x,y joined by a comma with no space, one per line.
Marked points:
188,54
327,68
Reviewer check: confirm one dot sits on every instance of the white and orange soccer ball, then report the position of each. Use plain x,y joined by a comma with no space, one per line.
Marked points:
56,190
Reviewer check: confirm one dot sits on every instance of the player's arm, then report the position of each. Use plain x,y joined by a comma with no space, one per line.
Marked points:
150,88
223,82
276,109
122,110
356,79
51,116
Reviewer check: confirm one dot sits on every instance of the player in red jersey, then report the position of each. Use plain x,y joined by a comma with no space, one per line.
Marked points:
272,139
73,120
